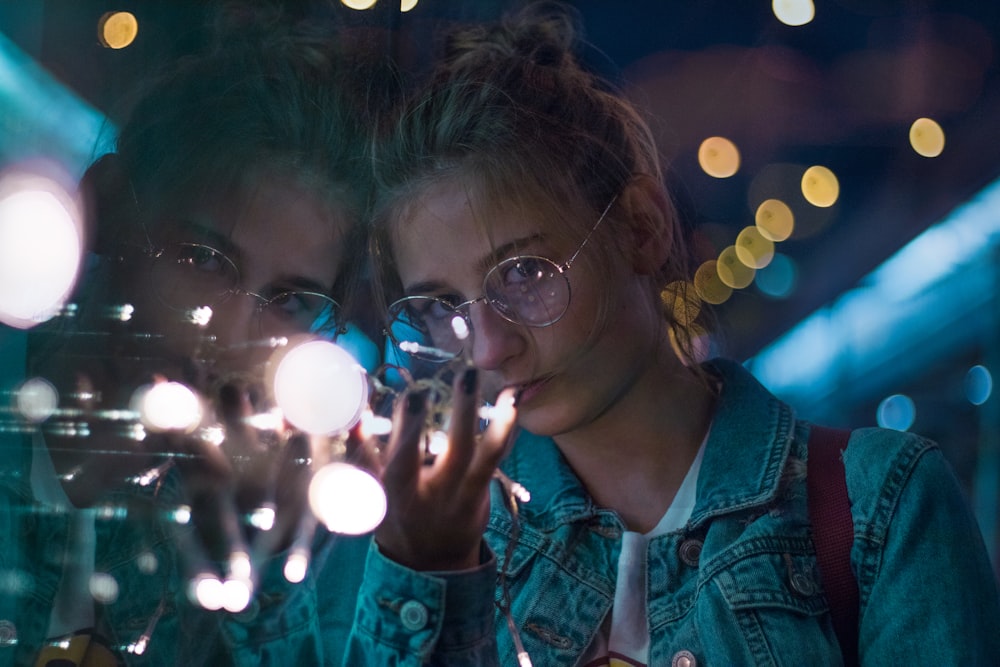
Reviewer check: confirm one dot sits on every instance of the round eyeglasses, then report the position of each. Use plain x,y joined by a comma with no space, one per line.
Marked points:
190,276
529,290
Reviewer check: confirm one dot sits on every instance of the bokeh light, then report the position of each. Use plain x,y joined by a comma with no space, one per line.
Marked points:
40,248
926,137
778,279
296,566
732,271
407,5
753,248
236,594
347,499
359,4
719,157
320,387
709,286
794,12
103,587
206,590
116,30
680,299
37,399
775,220
167,406
820,186
896,412
978,385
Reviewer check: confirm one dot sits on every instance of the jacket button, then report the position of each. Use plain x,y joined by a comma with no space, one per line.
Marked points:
8,633
413,615
684,659
803,584
690,551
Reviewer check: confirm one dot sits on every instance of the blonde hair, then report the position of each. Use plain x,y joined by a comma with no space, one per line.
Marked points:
511,113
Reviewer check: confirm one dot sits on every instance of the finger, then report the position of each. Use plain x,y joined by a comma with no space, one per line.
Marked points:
464,425
363,451
497,439
405,457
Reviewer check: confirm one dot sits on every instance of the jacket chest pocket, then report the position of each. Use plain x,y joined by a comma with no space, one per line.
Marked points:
763,605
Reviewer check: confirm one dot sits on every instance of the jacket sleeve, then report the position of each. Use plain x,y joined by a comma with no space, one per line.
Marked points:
928,593
405,617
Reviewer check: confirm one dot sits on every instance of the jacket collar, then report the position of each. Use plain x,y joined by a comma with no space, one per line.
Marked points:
747,448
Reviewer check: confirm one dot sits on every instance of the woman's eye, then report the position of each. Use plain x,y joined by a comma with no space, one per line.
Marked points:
202,258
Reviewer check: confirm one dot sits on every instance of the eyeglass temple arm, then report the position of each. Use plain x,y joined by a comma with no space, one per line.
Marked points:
586,238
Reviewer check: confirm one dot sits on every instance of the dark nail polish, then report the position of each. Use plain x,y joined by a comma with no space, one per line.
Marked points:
415,402
469,380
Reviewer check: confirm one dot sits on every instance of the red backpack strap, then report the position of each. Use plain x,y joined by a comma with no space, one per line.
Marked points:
833,533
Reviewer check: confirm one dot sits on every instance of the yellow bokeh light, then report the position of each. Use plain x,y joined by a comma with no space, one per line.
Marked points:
116,30
407,5
732,271
775,220
753,249
794,12
926,137
708,285
681,301
719,157
359,4
820,186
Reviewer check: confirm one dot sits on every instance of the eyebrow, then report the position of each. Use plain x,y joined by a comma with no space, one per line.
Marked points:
487,262
221,242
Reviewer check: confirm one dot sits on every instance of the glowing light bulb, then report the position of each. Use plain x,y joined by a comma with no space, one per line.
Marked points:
296,566
460,327
37,399
262,518
719,157
236,594
116,30
373,425
103,587
206,590
437,444
820,186
794,12
167,406
347,499
320,388
360,5
201,316
40,248
774,220
896,412
926,137
407,5
978,385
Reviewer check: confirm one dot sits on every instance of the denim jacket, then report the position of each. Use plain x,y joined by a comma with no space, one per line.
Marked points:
286,624
738,585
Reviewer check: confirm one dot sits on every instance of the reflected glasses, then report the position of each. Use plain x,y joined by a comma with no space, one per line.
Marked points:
527,289
188,276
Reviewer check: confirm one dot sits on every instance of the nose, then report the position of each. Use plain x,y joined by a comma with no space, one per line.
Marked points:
494,339
233,320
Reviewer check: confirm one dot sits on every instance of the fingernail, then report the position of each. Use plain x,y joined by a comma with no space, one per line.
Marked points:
415,402
469,381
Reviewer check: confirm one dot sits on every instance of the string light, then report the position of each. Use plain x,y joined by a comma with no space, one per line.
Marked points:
320,387
116,30
820,186
926,137
347,499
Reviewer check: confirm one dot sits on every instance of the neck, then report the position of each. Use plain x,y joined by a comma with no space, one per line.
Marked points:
634,456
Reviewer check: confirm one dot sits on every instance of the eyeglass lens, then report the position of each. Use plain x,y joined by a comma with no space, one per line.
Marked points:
189,275
524,290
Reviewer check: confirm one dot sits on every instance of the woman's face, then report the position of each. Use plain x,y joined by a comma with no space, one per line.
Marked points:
279,236
567,373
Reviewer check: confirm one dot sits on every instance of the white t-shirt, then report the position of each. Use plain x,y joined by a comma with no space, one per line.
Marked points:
623,640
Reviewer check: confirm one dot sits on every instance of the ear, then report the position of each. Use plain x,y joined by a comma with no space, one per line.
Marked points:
651,219
109,203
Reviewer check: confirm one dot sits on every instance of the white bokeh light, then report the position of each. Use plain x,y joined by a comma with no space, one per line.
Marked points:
40,248
794,12
236,594
320,387
296,566
37,399
167,406
347,499
206,590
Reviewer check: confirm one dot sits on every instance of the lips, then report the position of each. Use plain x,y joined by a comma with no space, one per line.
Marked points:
529,390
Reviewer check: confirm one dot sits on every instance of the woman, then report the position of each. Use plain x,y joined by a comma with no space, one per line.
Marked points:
226,221
524,232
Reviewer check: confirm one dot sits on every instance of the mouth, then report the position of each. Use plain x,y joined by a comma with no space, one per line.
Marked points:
524,392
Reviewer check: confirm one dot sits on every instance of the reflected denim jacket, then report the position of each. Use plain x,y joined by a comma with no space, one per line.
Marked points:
738,585
303,624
